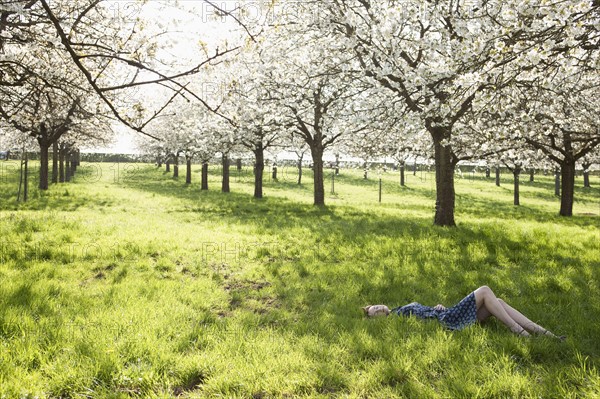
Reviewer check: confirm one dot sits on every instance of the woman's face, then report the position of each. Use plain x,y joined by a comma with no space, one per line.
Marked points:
376,310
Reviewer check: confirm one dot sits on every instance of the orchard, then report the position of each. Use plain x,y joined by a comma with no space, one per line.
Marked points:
337,153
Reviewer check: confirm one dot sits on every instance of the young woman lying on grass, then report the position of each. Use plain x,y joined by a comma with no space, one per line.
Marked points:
477,306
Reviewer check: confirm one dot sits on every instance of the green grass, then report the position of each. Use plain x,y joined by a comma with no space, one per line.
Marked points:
127,284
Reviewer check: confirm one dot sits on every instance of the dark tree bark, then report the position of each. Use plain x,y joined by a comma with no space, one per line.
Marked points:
498,176
488,173
73,164
402,177
586,174
314,136
44,150
319,189
516,174
225,181
176,166
567,171
204,184
572,146
55,162
300,170
333,183
532,175
259,168
61,164
46,136
445,163
68,169
188,171
168,165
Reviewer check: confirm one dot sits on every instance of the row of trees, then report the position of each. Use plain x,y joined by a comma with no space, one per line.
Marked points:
505,81
71,70
511,83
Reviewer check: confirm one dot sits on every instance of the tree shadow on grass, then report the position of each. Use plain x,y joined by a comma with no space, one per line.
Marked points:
352,257
343,257
275,214
542,189
484,208
60,198
326,295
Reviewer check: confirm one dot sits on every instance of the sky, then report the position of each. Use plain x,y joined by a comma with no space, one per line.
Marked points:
191,24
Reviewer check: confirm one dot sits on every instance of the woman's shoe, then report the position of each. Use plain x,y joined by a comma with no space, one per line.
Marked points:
547,333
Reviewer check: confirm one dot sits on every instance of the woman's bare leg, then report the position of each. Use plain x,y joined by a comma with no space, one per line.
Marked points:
525,322
488,305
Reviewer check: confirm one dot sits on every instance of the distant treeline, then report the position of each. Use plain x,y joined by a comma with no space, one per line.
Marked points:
409,166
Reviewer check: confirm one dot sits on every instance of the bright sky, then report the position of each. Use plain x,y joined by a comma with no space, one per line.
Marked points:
192,27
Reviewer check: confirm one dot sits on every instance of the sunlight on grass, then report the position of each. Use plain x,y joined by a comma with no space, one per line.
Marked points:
126,283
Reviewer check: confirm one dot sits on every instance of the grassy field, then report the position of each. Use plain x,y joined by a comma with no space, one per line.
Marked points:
126,283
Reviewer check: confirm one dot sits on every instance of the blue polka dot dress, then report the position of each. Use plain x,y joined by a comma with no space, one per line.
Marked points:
459,316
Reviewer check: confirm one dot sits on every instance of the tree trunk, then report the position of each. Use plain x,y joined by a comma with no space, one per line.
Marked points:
402,178
55,162
333,183
168,167
26,179
259,168
586,175
498,176
239,164
76,160
487,173
61,165
68,169
557,182
532,175
204,186
44,150
300,170
225,182
188,171
567,170
516,173
444,181
176,166
73,165
319,188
